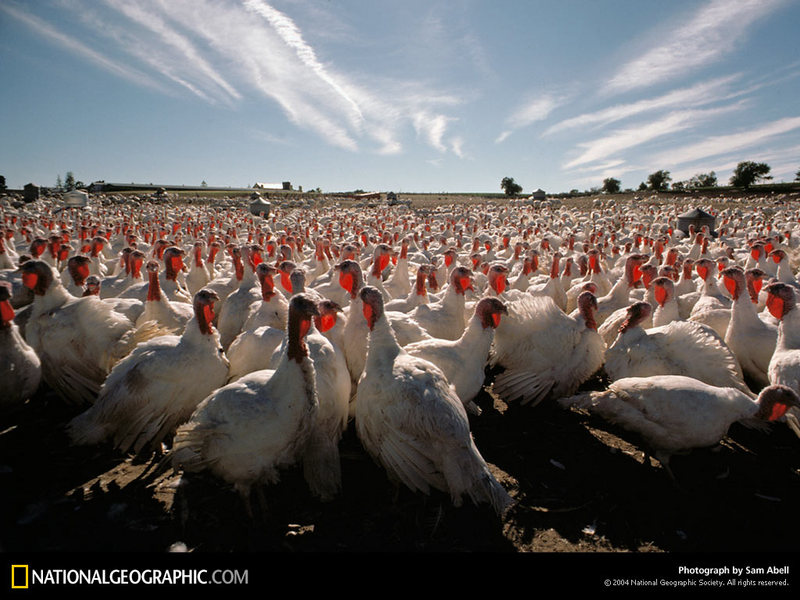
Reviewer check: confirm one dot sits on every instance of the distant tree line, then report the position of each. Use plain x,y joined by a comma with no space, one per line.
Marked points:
746,174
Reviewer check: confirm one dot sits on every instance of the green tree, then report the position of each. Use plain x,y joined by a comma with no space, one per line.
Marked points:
797,175
611,185
659,180
510,187
642,186
2,182
69,181
702,180
203,183
748,172
59,184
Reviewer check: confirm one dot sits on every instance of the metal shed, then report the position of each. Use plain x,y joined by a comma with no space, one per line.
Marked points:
259,207
31,192
76,199
697,217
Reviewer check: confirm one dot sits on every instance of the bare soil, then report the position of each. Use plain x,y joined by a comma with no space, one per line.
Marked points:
580,486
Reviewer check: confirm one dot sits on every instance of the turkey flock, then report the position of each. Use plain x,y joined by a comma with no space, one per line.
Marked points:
206,339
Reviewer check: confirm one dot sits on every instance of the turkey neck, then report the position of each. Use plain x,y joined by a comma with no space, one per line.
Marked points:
383,347
789,331
153,287
476,340
55,297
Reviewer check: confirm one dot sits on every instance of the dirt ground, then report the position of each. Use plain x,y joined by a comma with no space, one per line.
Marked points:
580,486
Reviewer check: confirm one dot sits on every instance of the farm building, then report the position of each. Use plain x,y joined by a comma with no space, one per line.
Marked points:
260,185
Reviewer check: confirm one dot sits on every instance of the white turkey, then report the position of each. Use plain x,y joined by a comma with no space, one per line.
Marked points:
412,423
79,340
679,348
751,339
247,431
544,352
784,366
20,367
463,360
157,387
673,413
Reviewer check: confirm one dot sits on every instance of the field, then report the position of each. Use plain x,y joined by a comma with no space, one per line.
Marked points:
580,485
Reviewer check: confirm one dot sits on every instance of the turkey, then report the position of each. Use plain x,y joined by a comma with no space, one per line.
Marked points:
399,283
247,431
545,352
749,338
130,307
20,367
784,366
673,413
78,340
463,360
273,308
446,319
199,275
679,348
321,465
417,296
170,315
157,386
412,423
238,305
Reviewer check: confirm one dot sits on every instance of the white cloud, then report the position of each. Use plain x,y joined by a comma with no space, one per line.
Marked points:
708,35
74,45
725,144
696,95
607,146
237,53
530,112
457,145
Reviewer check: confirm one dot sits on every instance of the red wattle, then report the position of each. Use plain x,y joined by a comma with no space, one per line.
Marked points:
6,312
730,285
346,281
775,306
29,280
661,295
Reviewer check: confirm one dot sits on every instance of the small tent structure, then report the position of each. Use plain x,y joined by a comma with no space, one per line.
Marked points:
259,207
697,217
76,199
539,194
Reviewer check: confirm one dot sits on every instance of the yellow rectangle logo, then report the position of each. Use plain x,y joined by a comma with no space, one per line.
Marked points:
19,574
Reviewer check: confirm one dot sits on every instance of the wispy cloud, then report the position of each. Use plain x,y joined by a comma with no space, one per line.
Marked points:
237,53
726,144
535,110
73,45
606,147
181,55
291,34
712,32
696,95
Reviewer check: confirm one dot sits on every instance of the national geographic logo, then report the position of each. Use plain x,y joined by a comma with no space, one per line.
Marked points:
22,576
19,577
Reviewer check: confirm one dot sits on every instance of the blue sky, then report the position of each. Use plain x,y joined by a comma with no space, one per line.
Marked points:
410,96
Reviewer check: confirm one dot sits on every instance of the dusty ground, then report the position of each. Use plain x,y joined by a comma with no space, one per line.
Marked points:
580,487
